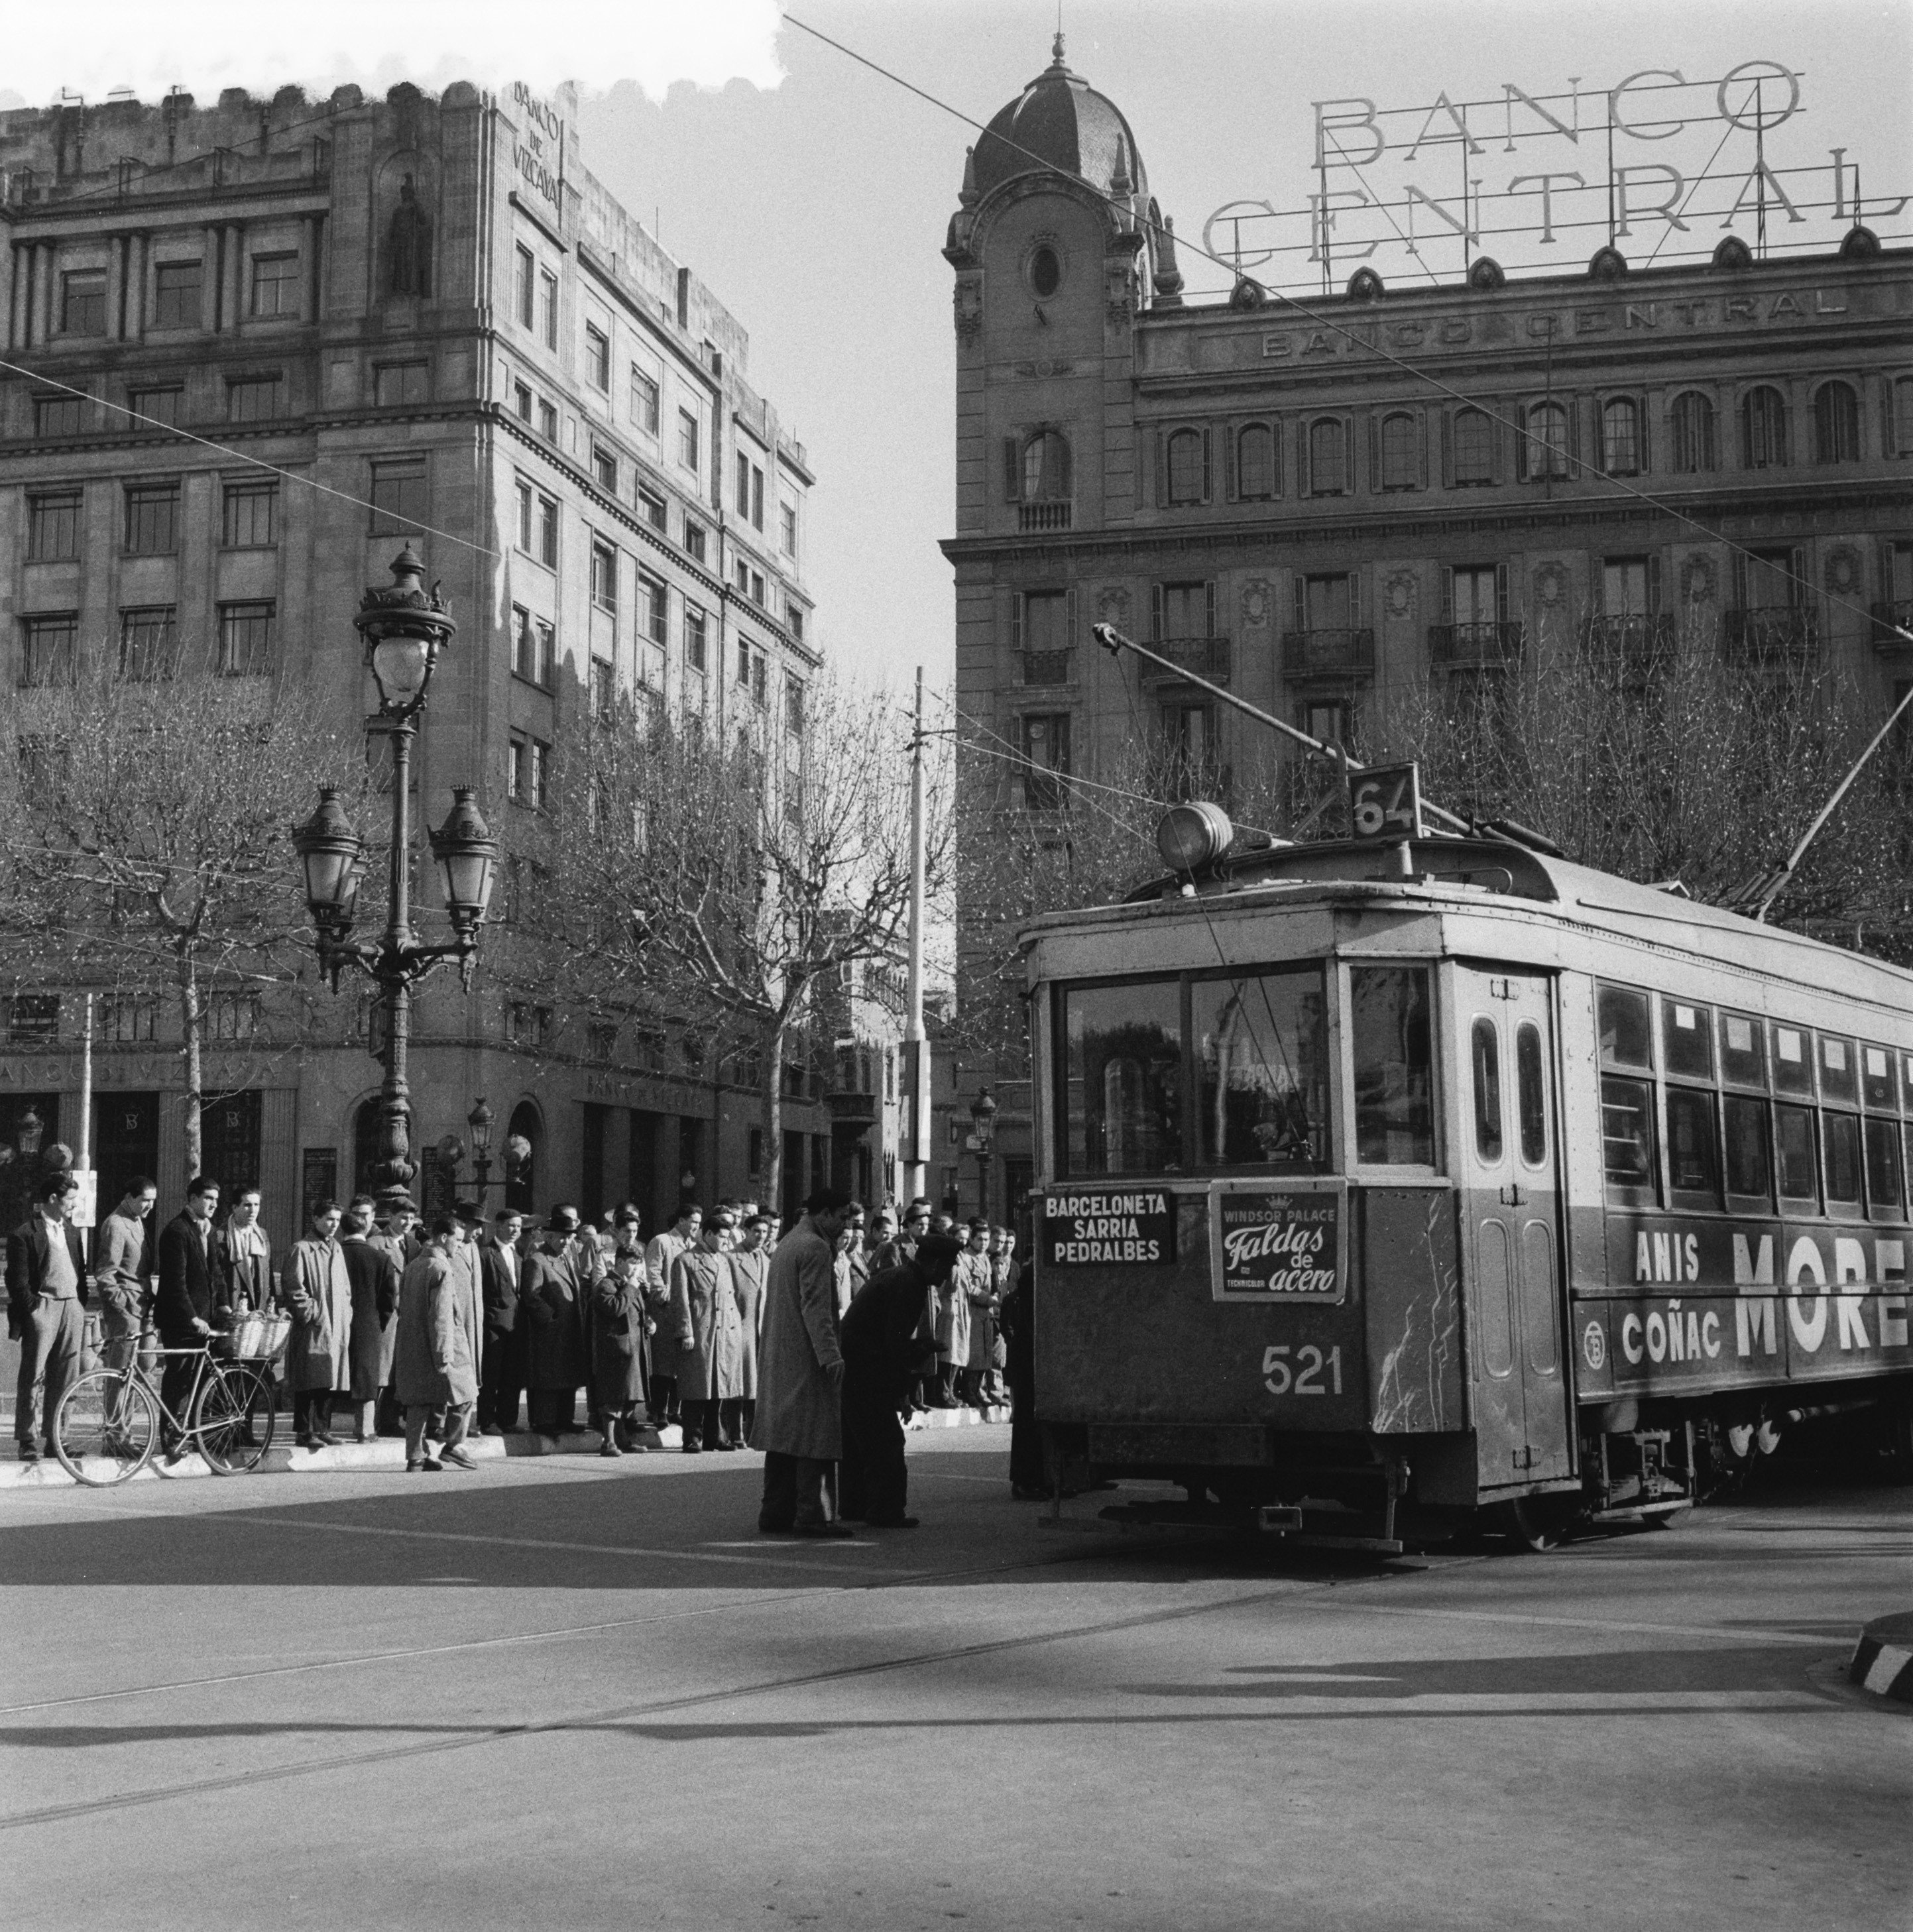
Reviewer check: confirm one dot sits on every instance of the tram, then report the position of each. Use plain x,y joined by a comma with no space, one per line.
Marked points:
1391,1180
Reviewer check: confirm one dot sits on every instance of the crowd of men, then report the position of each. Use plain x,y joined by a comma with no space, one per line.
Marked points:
814,1346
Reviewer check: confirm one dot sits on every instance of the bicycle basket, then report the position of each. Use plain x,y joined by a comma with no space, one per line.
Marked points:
260,1338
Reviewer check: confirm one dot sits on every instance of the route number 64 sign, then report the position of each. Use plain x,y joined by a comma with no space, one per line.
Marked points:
1385,802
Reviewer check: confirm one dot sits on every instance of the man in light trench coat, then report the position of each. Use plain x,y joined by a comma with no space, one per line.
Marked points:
798,1424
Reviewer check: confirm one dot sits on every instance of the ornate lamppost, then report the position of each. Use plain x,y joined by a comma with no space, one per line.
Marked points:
405,627
982,1119
480,1120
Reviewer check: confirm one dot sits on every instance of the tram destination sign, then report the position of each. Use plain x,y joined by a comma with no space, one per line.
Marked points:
1274,1242
1111,1227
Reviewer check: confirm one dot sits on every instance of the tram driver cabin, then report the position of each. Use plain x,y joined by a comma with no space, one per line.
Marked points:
1469,1179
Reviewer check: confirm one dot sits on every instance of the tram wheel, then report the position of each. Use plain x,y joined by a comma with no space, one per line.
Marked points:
1537,1523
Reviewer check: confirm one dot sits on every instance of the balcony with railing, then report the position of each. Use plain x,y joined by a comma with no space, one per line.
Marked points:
1634,639
1334,651
1201,657
1888,620
1767,635
1475,644
1047,667
1050,514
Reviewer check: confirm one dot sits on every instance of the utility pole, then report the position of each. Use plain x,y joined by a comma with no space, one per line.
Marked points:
916,1049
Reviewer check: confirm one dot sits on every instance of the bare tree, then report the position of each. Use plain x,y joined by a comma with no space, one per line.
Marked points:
710,887
145,824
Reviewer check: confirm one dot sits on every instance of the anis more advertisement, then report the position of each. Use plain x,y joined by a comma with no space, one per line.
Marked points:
1278,1241
1694,1304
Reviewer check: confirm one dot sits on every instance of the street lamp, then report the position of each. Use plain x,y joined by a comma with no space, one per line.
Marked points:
405,628
982,1119
480,1120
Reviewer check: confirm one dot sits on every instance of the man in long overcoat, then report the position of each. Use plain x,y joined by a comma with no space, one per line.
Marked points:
616,1300
953,1314
709,1334
374,1281
318,1292
664,1250
435,1365
798,1426
750,1264
502,1368
883,1335
556,1363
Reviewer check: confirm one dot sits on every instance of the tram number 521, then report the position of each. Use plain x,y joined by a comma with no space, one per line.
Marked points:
1303,1376
1385,802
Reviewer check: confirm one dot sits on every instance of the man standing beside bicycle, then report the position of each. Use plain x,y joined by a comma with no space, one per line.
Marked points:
191,1302
120,1276
46,1289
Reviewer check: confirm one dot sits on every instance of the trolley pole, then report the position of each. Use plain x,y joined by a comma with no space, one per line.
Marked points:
916,1049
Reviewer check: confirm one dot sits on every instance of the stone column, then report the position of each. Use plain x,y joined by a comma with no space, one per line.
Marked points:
19,263
139,254
44,255
209,282
234,274
308,263
116,246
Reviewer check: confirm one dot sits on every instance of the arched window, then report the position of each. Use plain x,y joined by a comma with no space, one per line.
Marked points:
1401,451
1047,467
1328,458
1255,462
524,1135
1474,447
1763,429
1188,466
1620,437
1696,446
1835,423
1546,445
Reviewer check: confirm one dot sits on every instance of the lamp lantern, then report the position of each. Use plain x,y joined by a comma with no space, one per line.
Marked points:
405,627
467,857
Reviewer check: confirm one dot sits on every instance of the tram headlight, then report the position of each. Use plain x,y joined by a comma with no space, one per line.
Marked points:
1192,838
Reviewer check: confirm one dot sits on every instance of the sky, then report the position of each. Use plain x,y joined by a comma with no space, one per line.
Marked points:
813,195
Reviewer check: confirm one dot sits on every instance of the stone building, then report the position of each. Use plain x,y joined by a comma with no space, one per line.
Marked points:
1321,508
433,324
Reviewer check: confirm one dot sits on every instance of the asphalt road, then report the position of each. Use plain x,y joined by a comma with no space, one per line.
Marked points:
569,1696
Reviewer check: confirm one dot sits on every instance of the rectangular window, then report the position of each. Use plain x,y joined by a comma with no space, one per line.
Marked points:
1692,1163
787,528
178,297
32,1017
548,308
604,577
1628,1138
548,420
1884,1195
1876,1079
547,651
696,646
538,770
400,502
1255,462
1793,1060
757,589
1743,1050
152,520
1474,595
148,640
83,302
743,661
548,532
1187,611
395,384
521,401
127,1019
757,496
1687,1039
743,499
1123,1113
1394,1089
1627,1028
643,401
653,508
604,468
157,405
255,398
524,647
245,638
598,358
251,520
524,497
517,771
688,439
1046,745
525,287
49,649
57,415
1749,1151
794,616
275,285
53,526
694,538
1262,1070
652,607
1799,1168
760,677
1401,451
1837,1070
604,693
1624,586
1839,1134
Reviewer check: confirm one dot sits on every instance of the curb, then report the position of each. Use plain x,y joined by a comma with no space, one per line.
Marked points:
1883,1658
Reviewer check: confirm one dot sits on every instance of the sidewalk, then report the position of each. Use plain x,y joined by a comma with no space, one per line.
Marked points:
284,1459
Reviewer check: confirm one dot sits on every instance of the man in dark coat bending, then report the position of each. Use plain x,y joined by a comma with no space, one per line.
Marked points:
885,1331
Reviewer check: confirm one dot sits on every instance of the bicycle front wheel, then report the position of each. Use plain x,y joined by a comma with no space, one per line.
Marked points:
105,1427
232,1419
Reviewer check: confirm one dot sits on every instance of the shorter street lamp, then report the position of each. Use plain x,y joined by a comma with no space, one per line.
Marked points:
480,1120
405,628
982,1119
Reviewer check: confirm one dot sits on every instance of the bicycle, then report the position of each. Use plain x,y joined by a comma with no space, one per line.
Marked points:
107,1425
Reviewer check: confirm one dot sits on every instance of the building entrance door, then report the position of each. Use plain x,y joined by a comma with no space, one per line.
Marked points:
126,1143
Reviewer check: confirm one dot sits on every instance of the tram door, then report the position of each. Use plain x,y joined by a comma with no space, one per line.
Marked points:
1510,1175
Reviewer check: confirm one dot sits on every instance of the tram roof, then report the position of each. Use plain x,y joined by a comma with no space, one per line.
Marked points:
1484,876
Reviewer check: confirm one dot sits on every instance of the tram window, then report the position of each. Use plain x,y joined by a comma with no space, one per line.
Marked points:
1484,1050
1531,1093
1906,1082
1388,1022
1749,1153
1883,1172
1876,1080
1626,1031
1627,1135
1692,1164
1743,1050
1123,1112
1262,1070
1793,1140
1687,1039
1793,1066
1836,1080
1839,1134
